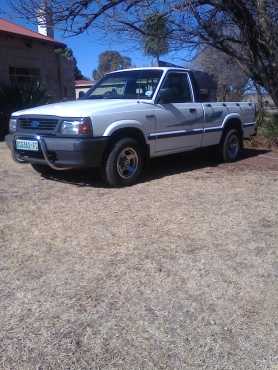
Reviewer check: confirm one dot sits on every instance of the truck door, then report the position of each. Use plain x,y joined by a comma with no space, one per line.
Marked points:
180,120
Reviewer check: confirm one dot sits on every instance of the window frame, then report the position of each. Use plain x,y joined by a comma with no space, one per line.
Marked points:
33,75
186,75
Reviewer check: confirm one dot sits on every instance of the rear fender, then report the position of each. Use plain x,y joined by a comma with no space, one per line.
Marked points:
232,121
229,118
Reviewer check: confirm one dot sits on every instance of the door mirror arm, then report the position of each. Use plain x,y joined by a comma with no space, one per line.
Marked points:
165,96
81,94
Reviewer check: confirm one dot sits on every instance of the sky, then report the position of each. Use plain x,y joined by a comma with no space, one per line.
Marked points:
89,45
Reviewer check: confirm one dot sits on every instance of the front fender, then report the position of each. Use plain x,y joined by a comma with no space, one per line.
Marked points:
115,126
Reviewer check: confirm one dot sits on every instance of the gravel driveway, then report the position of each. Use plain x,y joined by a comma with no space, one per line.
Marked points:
177,272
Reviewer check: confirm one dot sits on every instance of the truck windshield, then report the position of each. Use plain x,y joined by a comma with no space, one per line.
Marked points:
136,84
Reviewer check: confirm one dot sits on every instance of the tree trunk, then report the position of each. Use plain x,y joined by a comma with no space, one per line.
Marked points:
260,106
273,91
268,81
265,80
157,60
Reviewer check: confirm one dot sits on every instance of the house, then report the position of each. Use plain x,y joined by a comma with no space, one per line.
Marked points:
83,86
32,57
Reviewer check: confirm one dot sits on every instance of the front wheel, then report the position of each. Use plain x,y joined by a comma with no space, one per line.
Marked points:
124,163
231,145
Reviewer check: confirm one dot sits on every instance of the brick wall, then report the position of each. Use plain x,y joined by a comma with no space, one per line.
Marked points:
56,72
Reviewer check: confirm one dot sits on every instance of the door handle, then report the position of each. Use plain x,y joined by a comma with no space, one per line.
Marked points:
150,116
192,110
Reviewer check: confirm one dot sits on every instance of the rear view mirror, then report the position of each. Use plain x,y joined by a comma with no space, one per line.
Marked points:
165,95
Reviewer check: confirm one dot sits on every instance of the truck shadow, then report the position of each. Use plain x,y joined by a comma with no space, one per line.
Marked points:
156,168
190,161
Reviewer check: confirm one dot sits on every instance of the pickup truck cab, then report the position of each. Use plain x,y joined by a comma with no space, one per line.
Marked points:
128,116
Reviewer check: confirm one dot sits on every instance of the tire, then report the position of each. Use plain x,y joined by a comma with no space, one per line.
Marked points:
231,145
124,163
42,169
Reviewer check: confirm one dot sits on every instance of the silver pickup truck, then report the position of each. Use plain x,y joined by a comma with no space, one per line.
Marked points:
127,117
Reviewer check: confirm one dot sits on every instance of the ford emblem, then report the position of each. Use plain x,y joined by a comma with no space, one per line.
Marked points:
35,124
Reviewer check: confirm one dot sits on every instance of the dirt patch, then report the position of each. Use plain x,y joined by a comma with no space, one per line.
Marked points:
177,272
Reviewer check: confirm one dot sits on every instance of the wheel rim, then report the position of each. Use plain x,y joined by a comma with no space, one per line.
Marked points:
233,146
127,163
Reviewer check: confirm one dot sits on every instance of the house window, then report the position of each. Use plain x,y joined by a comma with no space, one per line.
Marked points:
24,76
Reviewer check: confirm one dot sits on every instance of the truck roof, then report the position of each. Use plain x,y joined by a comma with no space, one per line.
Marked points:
152,68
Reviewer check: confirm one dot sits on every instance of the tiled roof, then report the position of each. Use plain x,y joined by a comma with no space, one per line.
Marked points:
15,29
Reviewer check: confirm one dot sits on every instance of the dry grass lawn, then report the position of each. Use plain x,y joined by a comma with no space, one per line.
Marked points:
177,272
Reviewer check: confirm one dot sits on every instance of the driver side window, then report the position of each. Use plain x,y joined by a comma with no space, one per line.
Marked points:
179,85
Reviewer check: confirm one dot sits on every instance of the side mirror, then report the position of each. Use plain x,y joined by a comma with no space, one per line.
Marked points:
165,95
81,94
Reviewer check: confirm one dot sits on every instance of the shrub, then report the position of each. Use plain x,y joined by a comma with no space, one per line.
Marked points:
269,126
267,135
14,98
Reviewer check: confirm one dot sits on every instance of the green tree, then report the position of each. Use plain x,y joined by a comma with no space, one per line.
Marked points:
156,34
109,61
78,75
68,54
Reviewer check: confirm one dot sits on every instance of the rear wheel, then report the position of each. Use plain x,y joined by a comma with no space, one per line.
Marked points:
231,145
124,163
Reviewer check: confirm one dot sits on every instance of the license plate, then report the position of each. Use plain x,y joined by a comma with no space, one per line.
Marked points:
29,145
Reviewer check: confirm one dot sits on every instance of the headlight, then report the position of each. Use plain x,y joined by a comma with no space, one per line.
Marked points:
12,125
82,126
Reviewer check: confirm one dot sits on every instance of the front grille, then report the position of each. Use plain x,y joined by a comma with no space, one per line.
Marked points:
38,124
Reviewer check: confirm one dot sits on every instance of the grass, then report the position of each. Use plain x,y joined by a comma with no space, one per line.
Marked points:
177,272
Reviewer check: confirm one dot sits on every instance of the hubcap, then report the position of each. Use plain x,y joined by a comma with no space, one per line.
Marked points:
127,163
233,146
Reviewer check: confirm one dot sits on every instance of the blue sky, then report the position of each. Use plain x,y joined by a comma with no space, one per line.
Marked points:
88,46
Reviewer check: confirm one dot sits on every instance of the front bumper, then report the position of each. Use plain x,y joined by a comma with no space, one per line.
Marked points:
61,153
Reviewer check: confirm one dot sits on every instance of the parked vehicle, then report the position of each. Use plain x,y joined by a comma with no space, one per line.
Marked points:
125,118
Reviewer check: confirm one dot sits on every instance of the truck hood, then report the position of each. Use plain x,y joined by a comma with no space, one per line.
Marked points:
77,108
